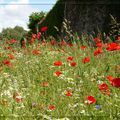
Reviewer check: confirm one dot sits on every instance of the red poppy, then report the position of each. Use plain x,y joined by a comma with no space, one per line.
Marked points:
118,38
7,62
58,63
43,43
97,51
73,64
90,100
39,35
53,42
13,41
36,52
70,44
10,56
97,40
34,36
103,87
113,46
44,84
70,58
116,82
86,60
23,42
82,47
17,97
68,93
99,44
51,107
8,48
58,73
63,43
13,51
32,41
43,29
110,78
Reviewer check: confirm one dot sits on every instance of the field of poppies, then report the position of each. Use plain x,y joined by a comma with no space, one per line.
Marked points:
49,80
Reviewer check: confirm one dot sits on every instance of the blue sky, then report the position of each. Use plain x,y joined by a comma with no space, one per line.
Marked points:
12,15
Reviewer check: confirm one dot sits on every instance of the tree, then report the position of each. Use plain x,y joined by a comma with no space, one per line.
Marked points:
13,33
34,19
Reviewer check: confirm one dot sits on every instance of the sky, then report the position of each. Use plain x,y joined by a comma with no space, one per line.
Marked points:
18,14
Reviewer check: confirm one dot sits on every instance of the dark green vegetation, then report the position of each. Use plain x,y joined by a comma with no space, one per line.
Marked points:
84,15
54,19
34,19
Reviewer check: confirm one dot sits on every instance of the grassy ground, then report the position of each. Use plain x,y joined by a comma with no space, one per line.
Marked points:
44,82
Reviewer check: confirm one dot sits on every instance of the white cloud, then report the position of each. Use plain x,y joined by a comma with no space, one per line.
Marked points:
12,15
1,1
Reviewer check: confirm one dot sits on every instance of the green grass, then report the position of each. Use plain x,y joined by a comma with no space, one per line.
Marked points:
29,71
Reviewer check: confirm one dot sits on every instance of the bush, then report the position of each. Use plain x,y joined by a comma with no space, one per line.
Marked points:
12,33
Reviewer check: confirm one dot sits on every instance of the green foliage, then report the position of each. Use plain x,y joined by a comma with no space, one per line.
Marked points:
54,19
34,18
13,33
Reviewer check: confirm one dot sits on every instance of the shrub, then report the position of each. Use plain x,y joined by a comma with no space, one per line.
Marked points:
12,33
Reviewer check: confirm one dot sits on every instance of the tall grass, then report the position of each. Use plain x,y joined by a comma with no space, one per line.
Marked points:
29,88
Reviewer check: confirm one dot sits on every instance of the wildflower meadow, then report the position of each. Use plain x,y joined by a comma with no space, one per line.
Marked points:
59,80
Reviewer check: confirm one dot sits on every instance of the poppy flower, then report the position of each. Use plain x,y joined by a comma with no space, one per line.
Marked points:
97,51
110,78
82,47
8,48
34,36
51,107
58,63
43,43
62,43
73,64
17,97
44,84
113,46
116,82
43,29
90,100
39,35
32,41
70,58
58,73
97,40
13,41
68,93
53,42
86,60
10,56
36,52
104,88
23,43
118,38
70,44
7,62
99,44
13,51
